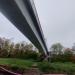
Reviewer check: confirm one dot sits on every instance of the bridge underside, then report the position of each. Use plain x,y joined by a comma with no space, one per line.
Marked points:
23,15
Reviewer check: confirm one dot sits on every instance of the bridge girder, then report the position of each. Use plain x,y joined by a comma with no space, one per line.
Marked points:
23,15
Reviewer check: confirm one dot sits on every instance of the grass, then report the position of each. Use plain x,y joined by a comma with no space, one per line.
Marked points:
46,67
16,62
57,67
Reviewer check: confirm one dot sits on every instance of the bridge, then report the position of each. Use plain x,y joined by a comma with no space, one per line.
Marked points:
23,14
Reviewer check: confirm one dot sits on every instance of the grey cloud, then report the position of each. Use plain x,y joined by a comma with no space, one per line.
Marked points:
57,19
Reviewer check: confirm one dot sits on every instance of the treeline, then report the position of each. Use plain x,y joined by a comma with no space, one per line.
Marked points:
59,53
21,50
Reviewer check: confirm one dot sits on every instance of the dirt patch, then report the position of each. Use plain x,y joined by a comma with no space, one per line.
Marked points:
32,71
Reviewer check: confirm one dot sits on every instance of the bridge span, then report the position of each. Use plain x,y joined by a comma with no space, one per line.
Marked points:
23,14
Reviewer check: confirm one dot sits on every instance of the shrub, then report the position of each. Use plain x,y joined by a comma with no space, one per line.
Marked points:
67,68
31,55
3,53
44,67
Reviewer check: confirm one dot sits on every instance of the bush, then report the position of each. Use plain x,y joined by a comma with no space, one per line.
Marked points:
66,68
30,55
3,53
63,58
44,67
58,58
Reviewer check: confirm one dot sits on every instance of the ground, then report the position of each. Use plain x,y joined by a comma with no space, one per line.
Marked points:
21,65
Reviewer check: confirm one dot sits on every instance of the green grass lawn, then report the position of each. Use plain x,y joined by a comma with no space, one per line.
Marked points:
46,67
16,62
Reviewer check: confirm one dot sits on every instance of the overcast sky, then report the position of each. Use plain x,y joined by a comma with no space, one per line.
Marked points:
57,18
8,30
